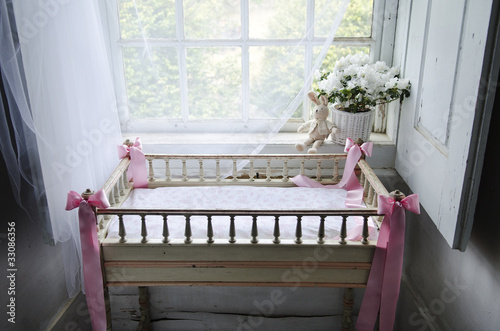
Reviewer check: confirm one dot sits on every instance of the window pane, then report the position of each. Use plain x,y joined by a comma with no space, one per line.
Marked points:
336,52
212,19
152,81
214,82
147,19
276,76
277,19
357,21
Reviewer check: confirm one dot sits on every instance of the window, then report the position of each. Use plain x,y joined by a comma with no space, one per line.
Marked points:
189,65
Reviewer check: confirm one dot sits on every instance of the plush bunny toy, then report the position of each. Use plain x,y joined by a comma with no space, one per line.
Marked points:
318,128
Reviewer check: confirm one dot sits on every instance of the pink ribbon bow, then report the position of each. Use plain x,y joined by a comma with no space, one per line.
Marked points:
92,274
382,288
349,181
365,148
137,169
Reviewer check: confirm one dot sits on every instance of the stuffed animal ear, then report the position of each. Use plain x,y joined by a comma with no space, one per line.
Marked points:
324,99
313,97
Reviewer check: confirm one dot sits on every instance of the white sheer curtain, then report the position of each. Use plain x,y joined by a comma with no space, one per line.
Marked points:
73,108
266,108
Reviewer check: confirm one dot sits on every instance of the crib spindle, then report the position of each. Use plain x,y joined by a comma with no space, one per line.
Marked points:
371,192
165,233
255,231
276,232
121,229
232,230
210,230
285,170
336,170
111,198
144,230
364,233
121,186
116,192
302,167
151,171
125,180
187,230
343,230
268,171
202,173
251,174
318,170
184,171
298,230
235,171
362,179
168,175
217,170
366,187
321,230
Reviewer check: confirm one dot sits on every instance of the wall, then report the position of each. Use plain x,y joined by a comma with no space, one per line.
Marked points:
445,289
40,286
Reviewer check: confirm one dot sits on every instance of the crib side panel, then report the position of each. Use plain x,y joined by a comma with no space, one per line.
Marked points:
154,264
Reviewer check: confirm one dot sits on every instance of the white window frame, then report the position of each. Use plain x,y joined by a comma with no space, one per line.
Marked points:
381,48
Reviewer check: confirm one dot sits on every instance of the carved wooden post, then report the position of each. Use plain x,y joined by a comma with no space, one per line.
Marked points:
298,230
343,230
365,233
255,231
276,232
145,321
144,230
251,174
187,230
321,230
121,229
165,233
210,230
347,310
232,230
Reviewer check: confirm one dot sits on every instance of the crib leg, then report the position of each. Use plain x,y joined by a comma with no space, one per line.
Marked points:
107,307
145,322
347,311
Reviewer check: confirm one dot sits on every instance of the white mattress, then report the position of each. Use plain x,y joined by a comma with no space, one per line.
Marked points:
238,197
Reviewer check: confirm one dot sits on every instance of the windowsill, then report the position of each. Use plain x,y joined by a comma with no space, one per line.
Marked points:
282,143
282,138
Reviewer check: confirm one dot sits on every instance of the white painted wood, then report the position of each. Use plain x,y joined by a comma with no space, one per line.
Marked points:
227,308
443,58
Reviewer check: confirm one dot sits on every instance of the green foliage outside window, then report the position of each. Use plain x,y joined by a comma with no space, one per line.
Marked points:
214,74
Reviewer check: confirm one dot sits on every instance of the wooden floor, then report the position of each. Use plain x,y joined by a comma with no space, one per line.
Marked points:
233,308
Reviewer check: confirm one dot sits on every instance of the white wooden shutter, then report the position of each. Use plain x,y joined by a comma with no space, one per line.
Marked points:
440,47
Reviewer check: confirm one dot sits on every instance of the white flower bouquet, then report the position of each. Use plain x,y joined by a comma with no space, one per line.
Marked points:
356,85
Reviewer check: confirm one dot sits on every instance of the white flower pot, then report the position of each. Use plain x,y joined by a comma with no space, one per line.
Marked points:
349,125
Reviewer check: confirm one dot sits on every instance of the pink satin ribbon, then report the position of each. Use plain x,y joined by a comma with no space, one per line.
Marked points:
349,181
92,274
382,289
137,170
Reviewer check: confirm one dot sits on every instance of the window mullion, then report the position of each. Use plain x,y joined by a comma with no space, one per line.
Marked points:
309,58
181,58
245,62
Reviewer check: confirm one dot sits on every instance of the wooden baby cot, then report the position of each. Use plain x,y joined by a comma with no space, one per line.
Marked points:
172,261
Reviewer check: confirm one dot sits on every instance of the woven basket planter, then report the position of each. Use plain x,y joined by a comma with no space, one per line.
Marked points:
351,125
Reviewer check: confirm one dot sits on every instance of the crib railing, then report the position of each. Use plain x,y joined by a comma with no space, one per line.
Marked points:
244,170
365,213
241,169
